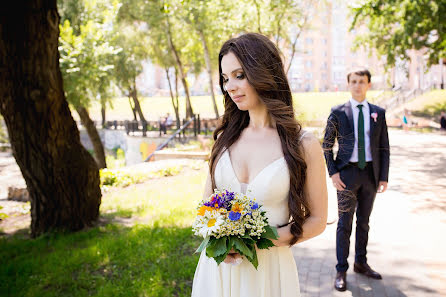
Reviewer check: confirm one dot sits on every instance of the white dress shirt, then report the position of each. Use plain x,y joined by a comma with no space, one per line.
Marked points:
366,112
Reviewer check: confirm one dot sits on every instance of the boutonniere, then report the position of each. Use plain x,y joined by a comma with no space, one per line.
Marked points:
374,115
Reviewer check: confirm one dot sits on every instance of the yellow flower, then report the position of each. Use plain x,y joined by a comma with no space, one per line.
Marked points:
211,222
203,209
237,208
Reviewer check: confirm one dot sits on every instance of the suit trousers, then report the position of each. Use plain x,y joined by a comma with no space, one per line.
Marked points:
358,196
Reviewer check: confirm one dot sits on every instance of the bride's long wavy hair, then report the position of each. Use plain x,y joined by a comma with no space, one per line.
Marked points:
262,64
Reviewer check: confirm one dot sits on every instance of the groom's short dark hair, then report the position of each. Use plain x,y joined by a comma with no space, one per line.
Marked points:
361,72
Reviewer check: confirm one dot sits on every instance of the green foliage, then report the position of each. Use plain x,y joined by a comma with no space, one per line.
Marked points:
3,136
2,215
86,53
115,160
169,171
119,178
433,110
396,26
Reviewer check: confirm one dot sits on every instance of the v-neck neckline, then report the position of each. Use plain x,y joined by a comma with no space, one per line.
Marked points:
257,175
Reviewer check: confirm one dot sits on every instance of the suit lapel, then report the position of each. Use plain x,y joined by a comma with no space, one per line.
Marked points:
349,114
372,120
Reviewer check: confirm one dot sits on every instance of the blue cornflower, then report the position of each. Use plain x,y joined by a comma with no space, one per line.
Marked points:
234,216
255,206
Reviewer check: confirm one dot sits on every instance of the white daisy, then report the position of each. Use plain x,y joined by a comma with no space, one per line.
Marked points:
210,222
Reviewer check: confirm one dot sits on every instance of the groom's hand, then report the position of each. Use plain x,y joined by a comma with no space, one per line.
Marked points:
337,182
382,186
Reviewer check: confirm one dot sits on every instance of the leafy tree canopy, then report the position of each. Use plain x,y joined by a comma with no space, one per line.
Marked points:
396,26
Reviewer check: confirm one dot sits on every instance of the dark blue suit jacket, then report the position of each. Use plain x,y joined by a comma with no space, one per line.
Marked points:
340,127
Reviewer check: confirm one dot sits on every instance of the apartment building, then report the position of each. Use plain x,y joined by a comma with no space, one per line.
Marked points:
323,57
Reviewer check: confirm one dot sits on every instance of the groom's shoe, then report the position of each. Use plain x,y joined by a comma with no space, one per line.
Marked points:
341,281
365,269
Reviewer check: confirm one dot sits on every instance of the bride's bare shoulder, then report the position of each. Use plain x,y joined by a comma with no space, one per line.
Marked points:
309,142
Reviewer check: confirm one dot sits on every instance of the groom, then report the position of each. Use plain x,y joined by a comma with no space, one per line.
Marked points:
358,172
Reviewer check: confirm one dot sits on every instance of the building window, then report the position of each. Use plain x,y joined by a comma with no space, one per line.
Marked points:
308,75
308,64
309,40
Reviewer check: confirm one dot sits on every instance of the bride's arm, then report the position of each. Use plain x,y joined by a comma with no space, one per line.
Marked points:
208,191
315,190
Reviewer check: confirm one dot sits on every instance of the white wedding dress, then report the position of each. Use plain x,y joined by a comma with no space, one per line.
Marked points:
276,275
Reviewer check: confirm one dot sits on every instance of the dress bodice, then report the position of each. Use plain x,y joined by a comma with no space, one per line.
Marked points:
270,187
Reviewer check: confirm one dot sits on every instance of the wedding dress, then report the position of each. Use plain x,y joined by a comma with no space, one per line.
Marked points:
276,275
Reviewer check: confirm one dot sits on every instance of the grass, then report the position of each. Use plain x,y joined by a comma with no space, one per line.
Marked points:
429,104
432,98
154,257
313,106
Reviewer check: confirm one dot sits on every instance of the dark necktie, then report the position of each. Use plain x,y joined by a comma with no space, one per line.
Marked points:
361,141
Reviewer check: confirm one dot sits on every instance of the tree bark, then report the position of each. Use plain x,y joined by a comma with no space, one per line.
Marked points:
132,106
175,106
176,98
94,136
209,70
293,46
138,109
189,110
103,113
62,177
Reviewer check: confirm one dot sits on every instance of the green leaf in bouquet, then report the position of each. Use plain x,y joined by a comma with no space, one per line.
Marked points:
241,247
270,233
221,258
254,260
264,243
211,247
220,247
216,247
230,243
203,244
248,240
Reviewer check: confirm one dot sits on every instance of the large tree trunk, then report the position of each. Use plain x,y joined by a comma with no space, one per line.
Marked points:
189,110
62,177
174,104
94,136
132,106
209,69
138,109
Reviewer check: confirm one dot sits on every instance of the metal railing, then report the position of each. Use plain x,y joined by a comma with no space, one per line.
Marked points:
162,145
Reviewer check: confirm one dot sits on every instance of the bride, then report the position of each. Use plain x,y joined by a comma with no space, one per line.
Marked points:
261,150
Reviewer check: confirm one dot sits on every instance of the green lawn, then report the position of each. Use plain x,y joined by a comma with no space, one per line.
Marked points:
314,106
428,104
142,247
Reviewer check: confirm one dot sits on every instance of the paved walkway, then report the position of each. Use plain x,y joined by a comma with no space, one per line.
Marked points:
407,242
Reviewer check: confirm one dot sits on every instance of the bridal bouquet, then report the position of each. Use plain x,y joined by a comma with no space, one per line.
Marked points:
230,220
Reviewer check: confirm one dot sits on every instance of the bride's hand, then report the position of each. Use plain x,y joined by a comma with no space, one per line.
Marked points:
284,236
233,257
